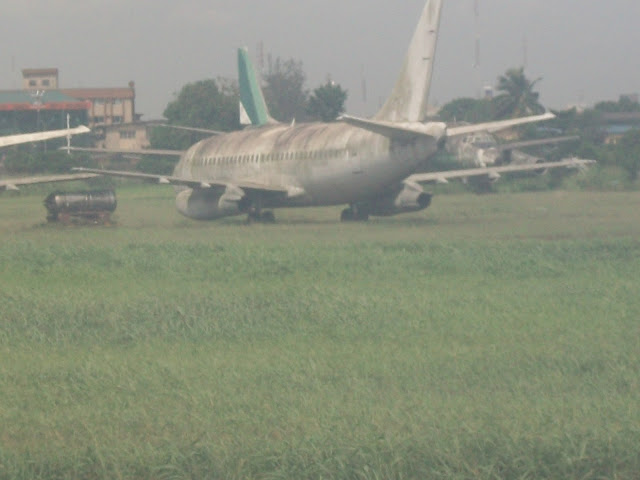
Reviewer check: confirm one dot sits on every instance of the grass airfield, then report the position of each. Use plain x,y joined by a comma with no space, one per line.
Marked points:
486,337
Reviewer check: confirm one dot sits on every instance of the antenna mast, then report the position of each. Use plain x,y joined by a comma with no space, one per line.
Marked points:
476,12
476,61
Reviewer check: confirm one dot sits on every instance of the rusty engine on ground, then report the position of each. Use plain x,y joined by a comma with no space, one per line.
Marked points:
85,207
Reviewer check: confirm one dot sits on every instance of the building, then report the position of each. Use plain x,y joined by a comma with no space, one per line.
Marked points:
108,106
40,79
618,124
128,136
42,104
25,111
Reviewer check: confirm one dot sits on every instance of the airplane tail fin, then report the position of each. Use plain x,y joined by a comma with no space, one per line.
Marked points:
408,101
253,108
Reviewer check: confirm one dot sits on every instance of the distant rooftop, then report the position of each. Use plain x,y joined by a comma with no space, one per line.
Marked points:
622,117
39,71
44,100
119,92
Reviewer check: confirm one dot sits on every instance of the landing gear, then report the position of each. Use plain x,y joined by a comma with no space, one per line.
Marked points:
261,217
268,217
346,215
355,213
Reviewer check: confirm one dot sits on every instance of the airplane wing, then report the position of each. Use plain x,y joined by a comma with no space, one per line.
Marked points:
40,136
248,185
494,172
14,183
123,151
492,127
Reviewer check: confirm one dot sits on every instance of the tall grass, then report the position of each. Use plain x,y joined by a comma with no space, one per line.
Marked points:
491,337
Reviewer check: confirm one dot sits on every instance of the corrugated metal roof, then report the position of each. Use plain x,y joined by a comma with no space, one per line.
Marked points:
39,71
48,100
22,96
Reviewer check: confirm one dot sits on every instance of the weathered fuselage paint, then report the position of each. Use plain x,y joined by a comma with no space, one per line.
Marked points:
322,163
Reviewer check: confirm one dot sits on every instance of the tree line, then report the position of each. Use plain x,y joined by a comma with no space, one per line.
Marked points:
516,97
213,104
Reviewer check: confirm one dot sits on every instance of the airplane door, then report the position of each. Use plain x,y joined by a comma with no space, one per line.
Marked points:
353,159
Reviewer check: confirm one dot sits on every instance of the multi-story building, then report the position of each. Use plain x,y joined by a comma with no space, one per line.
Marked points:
109,106
42,104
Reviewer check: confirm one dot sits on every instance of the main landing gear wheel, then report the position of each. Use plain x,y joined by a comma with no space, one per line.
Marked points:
268,217
354,214
262,217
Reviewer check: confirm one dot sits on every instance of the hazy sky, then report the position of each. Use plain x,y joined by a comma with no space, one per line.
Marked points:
585,50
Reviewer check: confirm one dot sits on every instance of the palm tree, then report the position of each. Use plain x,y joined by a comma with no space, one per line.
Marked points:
517,97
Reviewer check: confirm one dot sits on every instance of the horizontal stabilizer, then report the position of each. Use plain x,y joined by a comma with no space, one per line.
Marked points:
398,131
412,130
492,127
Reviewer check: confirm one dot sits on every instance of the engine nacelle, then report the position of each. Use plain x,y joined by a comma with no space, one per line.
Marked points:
412,198
95,206
81,202
210,203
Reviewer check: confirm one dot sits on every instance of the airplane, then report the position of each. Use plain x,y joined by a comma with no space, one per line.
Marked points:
9,140
475,151
364,163
482,150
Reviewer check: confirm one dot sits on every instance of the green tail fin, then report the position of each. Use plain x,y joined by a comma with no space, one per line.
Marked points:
253,108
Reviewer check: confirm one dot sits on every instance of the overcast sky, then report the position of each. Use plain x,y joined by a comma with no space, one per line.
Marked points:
585,50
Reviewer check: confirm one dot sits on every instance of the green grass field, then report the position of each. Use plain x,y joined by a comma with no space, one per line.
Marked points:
489,337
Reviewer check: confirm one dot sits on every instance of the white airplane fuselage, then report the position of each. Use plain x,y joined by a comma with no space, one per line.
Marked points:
322,163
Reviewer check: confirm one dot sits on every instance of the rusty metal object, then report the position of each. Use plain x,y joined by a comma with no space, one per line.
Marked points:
84,206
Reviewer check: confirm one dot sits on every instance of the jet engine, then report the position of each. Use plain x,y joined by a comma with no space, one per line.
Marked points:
210,203
412,198
94,206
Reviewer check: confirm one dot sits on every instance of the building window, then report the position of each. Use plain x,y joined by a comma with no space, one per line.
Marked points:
117,119
117,101
45,82
32,83
98,119
127,134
